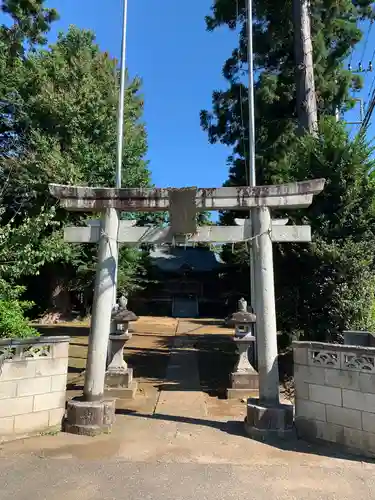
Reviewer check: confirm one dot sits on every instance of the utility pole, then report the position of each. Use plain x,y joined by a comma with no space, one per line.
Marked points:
306,96
252,171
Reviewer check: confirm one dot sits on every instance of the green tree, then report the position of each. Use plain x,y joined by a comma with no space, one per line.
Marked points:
58,124
63,124
329,285
335,32
31,23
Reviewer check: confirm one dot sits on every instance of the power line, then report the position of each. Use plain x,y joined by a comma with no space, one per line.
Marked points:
372,86
366,41
372,57
371,92
364,121
368,114
373,79
360,68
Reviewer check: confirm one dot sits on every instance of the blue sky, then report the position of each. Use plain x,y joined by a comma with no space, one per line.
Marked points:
363,53
180,64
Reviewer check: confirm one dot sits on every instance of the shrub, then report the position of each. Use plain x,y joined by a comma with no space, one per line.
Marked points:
13,323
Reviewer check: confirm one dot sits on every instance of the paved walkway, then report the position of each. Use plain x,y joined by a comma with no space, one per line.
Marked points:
177,451
181,395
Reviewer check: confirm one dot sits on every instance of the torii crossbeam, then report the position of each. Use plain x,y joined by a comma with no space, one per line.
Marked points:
93,199
183,204
133,236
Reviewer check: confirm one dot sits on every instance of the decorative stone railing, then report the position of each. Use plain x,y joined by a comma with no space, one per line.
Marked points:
33,376
335,394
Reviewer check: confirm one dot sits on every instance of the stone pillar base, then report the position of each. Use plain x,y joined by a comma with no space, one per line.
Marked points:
243,385
242,393
269,420
120,384
89,418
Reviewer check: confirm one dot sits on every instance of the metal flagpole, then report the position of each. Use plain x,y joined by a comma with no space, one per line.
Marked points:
252,171
120,124
252,174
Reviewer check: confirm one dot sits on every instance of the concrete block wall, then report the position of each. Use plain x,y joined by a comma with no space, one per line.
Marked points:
335,394
33,376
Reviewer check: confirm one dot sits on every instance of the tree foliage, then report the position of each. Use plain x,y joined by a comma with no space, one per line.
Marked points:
13,323
60,124
31,23
58,116
327,286
335,33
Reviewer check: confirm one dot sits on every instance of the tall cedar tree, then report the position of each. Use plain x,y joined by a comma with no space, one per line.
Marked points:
328,286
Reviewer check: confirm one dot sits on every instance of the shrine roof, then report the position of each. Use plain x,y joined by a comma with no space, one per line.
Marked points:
177,258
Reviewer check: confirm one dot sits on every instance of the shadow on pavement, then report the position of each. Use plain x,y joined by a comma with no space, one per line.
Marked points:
202,322
215,353
216,356
236,428
62,330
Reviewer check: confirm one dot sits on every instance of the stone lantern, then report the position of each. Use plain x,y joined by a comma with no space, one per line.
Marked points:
243,320
244,379
120,322
119,377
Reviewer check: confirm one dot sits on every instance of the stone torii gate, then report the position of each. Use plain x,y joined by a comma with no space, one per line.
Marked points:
183,204
134,236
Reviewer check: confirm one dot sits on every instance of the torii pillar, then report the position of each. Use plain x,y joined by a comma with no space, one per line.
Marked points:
263,415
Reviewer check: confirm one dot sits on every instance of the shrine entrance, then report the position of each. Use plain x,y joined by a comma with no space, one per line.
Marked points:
185,306
259,231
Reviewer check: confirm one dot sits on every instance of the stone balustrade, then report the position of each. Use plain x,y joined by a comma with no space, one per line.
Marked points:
33,376
335,394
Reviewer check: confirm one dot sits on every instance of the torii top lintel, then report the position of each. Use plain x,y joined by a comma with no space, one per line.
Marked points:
95,199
